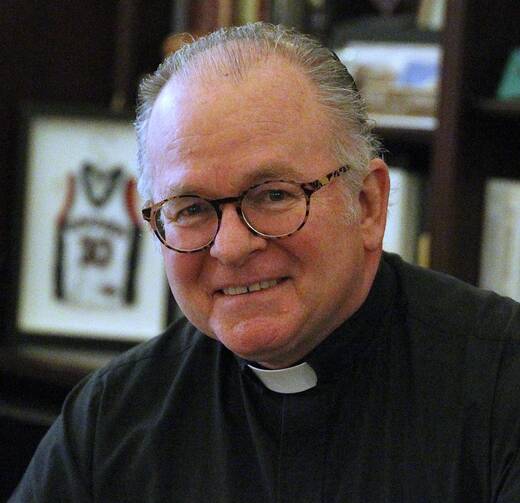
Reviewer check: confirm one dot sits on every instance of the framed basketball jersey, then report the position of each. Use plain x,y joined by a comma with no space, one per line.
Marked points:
88,266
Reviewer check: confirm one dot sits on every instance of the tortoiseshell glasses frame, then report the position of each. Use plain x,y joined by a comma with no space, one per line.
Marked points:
150,213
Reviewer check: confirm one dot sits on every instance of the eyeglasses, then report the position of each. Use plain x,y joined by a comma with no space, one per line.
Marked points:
273,209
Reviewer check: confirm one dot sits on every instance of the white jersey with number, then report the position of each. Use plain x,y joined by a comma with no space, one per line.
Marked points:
98,237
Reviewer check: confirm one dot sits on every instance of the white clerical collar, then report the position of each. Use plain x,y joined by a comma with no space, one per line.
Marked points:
290,380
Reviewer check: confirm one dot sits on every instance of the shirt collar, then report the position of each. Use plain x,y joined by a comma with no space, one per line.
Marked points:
294,379
349,342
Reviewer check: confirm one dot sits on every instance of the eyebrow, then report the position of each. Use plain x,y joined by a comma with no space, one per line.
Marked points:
264,173
273,172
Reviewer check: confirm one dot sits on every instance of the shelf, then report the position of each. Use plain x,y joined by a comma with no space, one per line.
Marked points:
28,413
400,28
34,379
405,129
504,109
61,366
405,122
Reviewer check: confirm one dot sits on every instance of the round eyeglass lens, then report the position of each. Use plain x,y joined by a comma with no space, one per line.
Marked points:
275,208
187,223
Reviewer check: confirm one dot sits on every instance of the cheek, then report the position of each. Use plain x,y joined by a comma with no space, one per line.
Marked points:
182,270
329,249
321,236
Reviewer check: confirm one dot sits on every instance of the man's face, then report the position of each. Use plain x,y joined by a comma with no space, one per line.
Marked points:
218,138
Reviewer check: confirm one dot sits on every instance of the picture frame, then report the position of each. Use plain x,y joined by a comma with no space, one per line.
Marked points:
88,267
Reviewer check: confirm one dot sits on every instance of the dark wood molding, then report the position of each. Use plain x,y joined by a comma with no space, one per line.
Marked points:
125,54
501,109
443,218
62,366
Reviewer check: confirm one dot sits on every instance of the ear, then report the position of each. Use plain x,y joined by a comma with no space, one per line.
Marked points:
373,203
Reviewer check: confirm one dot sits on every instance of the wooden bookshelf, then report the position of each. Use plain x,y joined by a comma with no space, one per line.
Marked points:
477,135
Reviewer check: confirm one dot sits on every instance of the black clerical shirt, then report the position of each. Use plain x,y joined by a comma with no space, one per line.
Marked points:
417,400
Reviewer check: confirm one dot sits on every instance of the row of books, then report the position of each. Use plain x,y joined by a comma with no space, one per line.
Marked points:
199,17
500,249
203,16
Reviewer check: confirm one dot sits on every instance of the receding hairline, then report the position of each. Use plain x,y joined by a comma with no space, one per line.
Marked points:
214,65
221,61
235,58
222,71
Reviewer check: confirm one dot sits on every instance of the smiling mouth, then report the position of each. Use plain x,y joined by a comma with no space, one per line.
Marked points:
254,287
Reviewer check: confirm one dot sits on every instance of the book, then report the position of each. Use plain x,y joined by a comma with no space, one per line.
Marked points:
180,20
500,252
204,17
509,87
200,17
404,213
290,13
250,11
431,14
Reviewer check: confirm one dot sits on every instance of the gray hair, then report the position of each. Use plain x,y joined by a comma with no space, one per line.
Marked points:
233,51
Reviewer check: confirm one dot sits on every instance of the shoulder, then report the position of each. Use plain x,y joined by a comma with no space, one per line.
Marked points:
145,381
449,305
168,354
462,340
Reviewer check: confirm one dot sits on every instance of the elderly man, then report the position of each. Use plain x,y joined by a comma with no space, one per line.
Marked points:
311,367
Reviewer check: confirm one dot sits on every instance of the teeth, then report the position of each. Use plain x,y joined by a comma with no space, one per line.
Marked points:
255,287
237,290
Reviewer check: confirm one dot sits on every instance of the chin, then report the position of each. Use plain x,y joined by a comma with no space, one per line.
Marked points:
256,340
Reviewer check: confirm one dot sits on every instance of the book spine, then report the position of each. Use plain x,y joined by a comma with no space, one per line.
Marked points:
404,214
180,21
251,11
500,251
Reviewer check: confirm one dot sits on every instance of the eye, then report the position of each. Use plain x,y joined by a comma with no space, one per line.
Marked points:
191,211
274,194
187,211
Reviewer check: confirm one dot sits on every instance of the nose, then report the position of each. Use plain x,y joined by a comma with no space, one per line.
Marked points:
234,242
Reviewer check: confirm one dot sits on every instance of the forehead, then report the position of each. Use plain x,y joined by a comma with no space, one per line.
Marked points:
224,134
